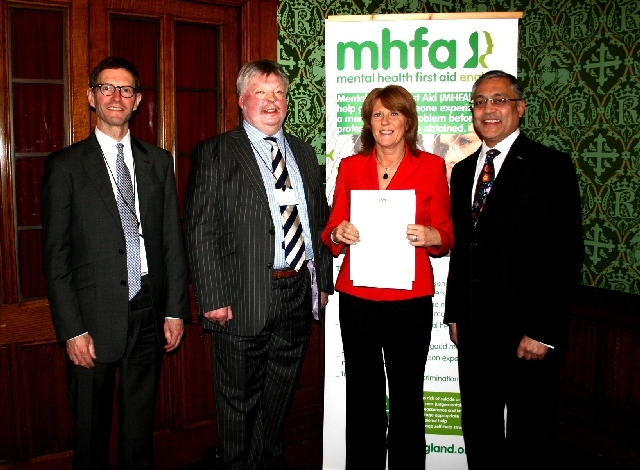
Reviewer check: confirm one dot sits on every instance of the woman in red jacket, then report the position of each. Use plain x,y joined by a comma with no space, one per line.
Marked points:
395,322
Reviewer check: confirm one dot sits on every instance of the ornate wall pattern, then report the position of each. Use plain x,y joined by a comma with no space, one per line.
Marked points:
579,61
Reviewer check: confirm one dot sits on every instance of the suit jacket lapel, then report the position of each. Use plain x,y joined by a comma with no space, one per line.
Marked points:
461,188
468,176
306,172
511,166
507,183
406,168
96,167
142,163
243,151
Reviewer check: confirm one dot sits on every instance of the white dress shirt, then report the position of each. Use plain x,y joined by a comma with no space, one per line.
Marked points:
110,154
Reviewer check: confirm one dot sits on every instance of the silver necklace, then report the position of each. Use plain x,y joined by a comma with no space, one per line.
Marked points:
386,170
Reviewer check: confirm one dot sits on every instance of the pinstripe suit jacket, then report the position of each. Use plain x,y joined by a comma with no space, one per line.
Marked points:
229,229
85,261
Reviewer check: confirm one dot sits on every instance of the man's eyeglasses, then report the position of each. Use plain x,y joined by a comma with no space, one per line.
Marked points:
107,89
498,102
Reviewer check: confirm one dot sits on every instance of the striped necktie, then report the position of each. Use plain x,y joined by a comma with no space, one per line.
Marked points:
127,209
483,186
293,242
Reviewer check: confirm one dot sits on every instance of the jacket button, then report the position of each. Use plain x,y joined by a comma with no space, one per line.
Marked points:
270,265
121,251
272,231
123,283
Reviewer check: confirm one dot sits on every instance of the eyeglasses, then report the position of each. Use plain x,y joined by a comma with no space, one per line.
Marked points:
498,102
107,89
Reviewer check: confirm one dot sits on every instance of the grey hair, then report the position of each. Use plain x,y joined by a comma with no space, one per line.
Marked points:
516,87
260,67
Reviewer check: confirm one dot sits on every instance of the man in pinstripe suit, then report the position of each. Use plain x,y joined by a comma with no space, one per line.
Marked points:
257,306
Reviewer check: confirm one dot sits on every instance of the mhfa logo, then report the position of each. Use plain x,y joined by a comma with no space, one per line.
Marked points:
439,53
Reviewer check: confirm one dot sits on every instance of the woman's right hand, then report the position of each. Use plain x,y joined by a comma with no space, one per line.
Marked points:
346,232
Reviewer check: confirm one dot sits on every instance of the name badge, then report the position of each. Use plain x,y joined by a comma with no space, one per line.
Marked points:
286,198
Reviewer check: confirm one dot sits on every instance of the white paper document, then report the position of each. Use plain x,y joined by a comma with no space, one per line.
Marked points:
383,257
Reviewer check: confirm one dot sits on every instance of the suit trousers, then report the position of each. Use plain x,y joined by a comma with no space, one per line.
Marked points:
92,390
402,331
492,377
256,377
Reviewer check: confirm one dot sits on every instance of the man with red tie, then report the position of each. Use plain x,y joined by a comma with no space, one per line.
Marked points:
513,272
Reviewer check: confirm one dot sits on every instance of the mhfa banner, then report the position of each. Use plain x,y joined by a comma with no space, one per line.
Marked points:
436,57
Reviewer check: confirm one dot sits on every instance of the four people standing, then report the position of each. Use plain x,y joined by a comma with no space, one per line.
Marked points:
256,221
388,329
512,277
115,269
254,215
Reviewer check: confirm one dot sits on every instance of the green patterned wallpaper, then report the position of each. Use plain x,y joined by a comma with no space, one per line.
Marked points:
579,62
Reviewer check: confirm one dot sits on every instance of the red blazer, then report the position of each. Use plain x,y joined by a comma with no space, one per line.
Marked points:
423,172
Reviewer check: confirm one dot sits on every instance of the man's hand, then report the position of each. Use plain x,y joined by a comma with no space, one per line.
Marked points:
81,351
531,349
324,299
173,330
453,333
220,315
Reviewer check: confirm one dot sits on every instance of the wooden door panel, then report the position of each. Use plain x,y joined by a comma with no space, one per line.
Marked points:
228,19
47,419
8,448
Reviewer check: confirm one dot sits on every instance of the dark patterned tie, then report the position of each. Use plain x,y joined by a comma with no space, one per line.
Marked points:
483,186
293,242
127,208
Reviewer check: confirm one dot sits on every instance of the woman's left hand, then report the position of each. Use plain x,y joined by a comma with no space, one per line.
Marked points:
421,236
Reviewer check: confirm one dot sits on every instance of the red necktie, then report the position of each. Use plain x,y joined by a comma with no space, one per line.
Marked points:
483,186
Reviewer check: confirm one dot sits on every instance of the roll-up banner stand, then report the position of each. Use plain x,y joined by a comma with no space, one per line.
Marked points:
437,57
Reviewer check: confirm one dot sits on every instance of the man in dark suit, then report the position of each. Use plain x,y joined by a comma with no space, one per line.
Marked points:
513,273
254,215
115,269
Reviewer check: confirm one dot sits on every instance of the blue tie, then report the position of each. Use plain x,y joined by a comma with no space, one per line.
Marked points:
127,209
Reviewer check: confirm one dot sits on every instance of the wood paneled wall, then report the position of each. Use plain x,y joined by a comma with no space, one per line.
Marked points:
35,418
36,424
600,380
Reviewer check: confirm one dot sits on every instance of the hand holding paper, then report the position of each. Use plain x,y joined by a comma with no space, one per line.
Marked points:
346,232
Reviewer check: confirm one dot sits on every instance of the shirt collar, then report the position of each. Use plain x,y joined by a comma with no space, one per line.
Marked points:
256,135
503,146
108,142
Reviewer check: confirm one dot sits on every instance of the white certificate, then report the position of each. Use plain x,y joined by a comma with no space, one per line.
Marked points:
383,257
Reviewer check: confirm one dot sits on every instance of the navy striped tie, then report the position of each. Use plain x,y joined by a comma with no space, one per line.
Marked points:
293,242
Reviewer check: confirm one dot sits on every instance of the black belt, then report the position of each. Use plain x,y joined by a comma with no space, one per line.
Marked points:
287,273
